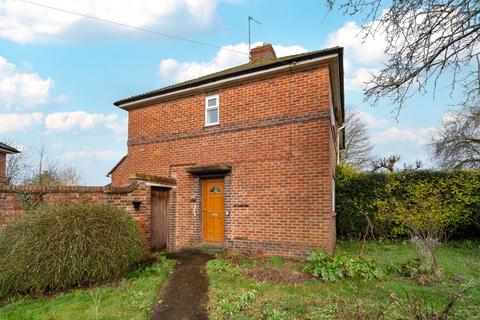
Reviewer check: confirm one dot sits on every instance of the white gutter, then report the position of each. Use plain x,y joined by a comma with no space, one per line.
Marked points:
228,80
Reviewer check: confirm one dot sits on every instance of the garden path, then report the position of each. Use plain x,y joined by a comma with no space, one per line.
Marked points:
185,295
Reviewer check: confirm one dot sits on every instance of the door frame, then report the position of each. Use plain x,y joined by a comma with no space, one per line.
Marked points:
203,181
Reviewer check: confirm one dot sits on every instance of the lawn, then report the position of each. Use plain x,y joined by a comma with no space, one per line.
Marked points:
131,298
236,295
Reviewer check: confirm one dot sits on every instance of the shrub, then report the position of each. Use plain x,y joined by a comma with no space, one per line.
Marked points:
328,268
63,246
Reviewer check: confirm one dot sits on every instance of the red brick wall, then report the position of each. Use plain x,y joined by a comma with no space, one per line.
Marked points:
13,199
121,174
275,133
3,167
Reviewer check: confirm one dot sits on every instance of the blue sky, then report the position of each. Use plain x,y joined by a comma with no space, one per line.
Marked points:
60,74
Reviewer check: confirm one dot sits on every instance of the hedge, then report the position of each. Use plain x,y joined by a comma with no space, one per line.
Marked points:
362,198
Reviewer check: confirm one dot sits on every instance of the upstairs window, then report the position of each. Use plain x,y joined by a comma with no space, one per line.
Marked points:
212,110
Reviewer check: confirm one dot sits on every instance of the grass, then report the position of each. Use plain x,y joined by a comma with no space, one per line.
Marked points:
348,299
131,298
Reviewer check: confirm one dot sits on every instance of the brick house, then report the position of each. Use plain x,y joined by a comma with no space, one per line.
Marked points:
4,150
252,151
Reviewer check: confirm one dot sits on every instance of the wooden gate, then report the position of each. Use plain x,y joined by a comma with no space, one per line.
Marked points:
159,218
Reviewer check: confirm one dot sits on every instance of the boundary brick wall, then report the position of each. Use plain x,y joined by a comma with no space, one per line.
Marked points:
276,134
13,199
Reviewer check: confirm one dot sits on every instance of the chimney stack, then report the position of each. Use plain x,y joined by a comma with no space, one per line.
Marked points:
264,52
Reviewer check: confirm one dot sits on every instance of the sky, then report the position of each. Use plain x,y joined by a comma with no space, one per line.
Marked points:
61,73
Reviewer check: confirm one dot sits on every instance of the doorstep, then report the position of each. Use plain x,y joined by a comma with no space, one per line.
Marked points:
211,248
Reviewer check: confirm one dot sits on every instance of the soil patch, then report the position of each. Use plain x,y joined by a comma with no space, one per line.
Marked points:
185,295
278,275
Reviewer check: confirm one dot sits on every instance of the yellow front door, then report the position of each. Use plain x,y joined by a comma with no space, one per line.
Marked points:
213,216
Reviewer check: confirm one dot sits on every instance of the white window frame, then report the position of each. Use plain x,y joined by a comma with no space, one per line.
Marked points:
207,108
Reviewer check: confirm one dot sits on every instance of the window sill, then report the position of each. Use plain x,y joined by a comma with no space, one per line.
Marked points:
212,125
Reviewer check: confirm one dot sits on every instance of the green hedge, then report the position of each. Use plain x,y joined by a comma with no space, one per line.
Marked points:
63,246
361,199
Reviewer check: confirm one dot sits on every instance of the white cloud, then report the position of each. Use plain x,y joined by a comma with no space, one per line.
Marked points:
363,54
63,121
82,120
451,116
359,79
171,70
395,134
383,132
119,127
373,122
91,154
13,122
282,51
365,50
21,90
26,23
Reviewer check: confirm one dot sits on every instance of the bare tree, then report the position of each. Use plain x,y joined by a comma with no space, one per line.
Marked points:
425,40
389,163
457,144
18,164
358,149
385,163
413,167
47,172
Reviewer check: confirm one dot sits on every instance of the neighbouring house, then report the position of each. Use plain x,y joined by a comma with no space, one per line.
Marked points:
4,150
249,154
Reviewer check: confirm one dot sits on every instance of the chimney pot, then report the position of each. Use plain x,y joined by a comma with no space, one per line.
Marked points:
262,53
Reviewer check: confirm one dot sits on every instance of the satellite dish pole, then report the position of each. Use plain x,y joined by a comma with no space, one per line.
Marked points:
250,19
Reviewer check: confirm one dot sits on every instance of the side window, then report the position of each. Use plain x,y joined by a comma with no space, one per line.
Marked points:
212,110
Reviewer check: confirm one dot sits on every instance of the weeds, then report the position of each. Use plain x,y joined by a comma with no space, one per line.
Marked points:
222,265
418,308
274,314
341,266
276,260
231,309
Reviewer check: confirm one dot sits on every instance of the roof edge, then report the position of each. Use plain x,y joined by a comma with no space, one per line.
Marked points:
193,83
7,149
117,165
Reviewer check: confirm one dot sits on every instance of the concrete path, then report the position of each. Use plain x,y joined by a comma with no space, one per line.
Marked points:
185,295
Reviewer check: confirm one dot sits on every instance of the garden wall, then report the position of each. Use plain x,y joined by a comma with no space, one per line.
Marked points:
15,201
